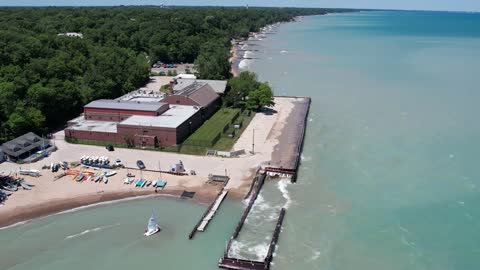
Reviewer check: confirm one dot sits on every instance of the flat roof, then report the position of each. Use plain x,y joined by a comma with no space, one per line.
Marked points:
172,118
217,85
88,125
126,105
147,99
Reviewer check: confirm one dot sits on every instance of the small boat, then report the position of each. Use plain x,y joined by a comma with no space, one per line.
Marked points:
128,181
64,166
98,178
79,177
25,186
152,226
34,173
105,179
160,184
130,175
139,183
31,185
148,183
110,173
154,184
6,192
9,187
90,178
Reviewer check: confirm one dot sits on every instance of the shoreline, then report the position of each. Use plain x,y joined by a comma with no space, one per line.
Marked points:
50,197
237,52
25,214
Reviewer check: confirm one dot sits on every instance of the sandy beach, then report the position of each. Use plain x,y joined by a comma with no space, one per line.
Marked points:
49,196
235,58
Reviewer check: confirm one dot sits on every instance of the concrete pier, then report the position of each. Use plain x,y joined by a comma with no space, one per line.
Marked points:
208,215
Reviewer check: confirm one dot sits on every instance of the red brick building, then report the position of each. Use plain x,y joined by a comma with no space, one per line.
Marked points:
119,110
199,94
133,122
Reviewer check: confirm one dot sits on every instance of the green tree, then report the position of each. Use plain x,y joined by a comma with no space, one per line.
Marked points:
260,97
211,64
25,119
240,88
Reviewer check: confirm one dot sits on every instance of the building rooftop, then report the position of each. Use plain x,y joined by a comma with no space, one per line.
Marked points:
80,123
200,92
71,34
172,118
126,105
23,144
217,85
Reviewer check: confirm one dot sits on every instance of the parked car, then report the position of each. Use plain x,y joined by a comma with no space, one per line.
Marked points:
110,147
118,162
140,164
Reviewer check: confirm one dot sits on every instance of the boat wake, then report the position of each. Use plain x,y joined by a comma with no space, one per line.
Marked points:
91,230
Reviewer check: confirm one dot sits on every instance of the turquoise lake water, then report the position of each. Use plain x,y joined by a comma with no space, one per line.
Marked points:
389,177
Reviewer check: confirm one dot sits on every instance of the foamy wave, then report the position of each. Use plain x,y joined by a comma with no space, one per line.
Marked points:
15,225
91,230
259,250
244,64
316,255
304,158
235,249
282,186
261,204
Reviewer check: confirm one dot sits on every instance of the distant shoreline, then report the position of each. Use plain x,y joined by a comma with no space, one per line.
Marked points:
236,51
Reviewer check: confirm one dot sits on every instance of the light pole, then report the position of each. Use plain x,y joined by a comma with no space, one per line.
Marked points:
253,142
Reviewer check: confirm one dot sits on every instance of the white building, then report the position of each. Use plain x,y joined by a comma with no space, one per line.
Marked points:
71,34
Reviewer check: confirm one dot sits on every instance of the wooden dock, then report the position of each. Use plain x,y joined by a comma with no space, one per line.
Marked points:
212,211
209,213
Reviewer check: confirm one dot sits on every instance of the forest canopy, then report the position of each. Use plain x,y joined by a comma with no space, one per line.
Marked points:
45,79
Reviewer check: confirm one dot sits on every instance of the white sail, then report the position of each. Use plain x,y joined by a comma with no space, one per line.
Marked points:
152,226
152,223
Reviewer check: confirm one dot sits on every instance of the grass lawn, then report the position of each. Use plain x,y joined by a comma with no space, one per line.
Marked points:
211,131
225,143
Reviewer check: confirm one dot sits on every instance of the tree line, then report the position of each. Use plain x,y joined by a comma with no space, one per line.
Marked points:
45,79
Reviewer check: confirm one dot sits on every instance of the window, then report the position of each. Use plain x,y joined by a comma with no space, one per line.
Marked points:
178,101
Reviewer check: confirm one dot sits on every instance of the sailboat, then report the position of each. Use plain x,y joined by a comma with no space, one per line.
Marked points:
152,227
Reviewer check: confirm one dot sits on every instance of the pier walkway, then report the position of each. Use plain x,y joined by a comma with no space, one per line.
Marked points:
209,213
287,154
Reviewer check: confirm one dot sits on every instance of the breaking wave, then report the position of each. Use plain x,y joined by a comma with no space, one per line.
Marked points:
282,186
